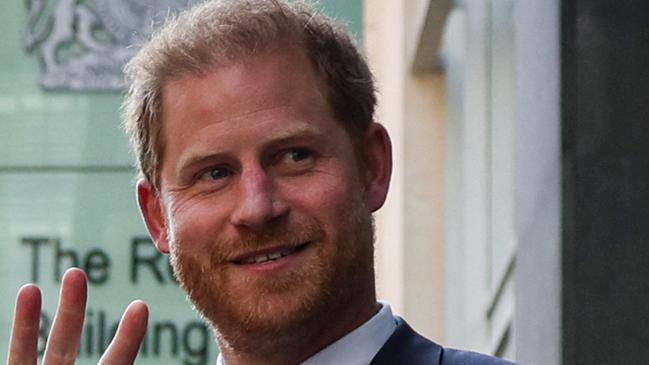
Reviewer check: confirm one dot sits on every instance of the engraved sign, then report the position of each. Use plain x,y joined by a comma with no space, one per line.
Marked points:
83,44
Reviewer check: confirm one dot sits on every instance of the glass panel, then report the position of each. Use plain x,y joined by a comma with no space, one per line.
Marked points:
50,128
58,129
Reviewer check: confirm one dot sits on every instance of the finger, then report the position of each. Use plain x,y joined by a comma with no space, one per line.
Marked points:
126,343
24,333
63,342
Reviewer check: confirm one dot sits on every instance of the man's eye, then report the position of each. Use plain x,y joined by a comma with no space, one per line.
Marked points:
297,155
215,174
295,161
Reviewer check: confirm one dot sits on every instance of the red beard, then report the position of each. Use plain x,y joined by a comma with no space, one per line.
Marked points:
250,313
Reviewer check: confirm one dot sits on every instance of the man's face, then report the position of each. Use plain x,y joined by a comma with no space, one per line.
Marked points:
265,209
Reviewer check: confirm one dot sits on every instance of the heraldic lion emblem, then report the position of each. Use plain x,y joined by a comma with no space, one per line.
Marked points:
83,44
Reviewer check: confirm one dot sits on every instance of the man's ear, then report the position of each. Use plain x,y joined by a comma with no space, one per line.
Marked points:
378,165
153,213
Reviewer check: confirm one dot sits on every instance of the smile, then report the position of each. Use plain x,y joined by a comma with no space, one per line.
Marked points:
262,258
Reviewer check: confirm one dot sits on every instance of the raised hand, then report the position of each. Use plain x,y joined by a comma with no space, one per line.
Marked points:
63,342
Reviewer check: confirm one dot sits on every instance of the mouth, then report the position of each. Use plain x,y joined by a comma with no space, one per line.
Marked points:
269,255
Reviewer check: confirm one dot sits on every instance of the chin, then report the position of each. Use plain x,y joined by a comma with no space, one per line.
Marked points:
238,308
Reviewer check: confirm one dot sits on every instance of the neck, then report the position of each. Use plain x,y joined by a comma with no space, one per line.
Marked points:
293,347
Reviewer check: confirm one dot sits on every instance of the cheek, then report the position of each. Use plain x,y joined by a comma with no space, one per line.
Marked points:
329,199
195,221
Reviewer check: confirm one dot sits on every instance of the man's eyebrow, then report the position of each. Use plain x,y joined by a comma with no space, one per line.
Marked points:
300,129
190,162
294,135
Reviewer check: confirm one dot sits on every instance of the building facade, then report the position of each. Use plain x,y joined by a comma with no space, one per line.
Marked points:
517,224
455,86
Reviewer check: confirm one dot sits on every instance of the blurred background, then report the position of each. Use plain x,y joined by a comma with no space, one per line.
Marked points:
518,218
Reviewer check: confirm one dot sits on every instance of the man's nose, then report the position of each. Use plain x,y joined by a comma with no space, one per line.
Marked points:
258,202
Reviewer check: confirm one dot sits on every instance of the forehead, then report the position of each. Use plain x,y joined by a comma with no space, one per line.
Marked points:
278,76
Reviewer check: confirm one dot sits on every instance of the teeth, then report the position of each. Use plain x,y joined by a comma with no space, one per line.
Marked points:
259,259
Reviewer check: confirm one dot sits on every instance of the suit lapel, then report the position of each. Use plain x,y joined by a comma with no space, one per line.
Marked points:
406,346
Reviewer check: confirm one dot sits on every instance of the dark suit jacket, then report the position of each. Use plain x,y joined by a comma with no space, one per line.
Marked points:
407,347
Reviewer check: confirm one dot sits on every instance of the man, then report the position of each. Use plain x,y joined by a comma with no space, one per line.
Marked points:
261,166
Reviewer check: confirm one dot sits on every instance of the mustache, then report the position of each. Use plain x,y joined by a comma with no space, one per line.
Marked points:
278,234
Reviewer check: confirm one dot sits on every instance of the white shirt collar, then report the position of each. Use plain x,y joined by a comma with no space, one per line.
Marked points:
357,347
